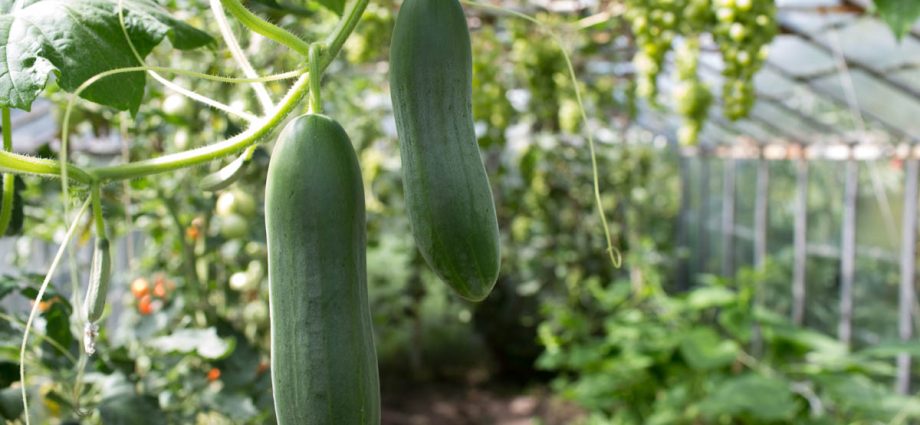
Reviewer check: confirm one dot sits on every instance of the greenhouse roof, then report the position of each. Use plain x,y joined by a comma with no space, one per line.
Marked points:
836,77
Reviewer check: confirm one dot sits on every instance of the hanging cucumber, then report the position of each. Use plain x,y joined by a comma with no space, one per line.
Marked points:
448,196
100,275
324,365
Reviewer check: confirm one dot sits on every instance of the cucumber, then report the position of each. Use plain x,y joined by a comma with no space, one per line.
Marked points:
324,365
448,196
100,275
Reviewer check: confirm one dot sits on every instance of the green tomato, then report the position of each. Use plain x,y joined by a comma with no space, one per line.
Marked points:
177,106
234,226
240,281
235,202
181,139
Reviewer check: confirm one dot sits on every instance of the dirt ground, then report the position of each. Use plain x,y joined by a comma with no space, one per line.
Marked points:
442,404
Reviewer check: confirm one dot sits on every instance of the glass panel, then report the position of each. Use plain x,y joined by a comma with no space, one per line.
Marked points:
798,56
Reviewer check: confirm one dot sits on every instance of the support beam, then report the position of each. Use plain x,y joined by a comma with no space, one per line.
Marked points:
896,85
800,241
703,215
848,252
840,102
761,216
908,272
683,225
761,213
728,218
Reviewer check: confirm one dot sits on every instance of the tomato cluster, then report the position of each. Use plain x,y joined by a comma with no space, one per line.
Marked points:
150,298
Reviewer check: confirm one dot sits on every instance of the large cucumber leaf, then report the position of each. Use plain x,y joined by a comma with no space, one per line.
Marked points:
77,39
900,15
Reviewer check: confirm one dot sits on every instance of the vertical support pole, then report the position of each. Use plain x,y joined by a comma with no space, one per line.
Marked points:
703,216
760,242
848,251
800,241
728,218
683,268
760,213
908,271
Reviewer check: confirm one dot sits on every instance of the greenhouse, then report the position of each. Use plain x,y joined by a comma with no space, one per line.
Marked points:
459,212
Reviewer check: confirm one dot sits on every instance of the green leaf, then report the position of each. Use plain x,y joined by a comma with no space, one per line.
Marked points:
873,400
749,395
892,349
131,410
10,403
337,6
77,39
9,373
900,15
57,318
709,297
234,405
703,349
205,342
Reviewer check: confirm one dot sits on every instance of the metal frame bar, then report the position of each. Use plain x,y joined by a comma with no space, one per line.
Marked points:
728,217
800,242
848,251
908,271
705,198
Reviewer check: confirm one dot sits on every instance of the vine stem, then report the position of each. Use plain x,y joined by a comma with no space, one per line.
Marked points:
316,99
25,165
98,218
179,89
265,28
9,180
38,298
615,257
22,164
210,152
236,51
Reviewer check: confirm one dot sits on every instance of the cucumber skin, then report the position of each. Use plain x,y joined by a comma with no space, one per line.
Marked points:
324,364
100,276
448,196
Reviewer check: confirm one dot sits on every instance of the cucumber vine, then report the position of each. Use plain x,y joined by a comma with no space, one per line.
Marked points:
317,57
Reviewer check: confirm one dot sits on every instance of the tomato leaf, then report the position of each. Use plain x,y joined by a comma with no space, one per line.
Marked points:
204,342
900,15
130,409
77,39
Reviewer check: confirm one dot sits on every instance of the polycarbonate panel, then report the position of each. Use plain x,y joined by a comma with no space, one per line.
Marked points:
799,57
772,84
910,77
878,99
791,126
871,43
811,22
716,135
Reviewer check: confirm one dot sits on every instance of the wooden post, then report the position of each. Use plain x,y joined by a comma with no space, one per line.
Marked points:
848,251
728,218
908,271
800,241
703,215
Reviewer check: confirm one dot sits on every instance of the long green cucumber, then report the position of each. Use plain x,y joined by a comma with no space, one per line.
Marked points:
324,365
448,196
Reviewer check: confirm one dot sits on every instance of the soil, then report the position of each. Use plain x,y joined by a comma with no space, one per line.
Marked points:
446,404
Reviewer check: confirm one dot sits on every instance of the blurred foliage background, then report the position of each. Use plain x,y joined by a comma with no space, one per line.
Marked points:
187,334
